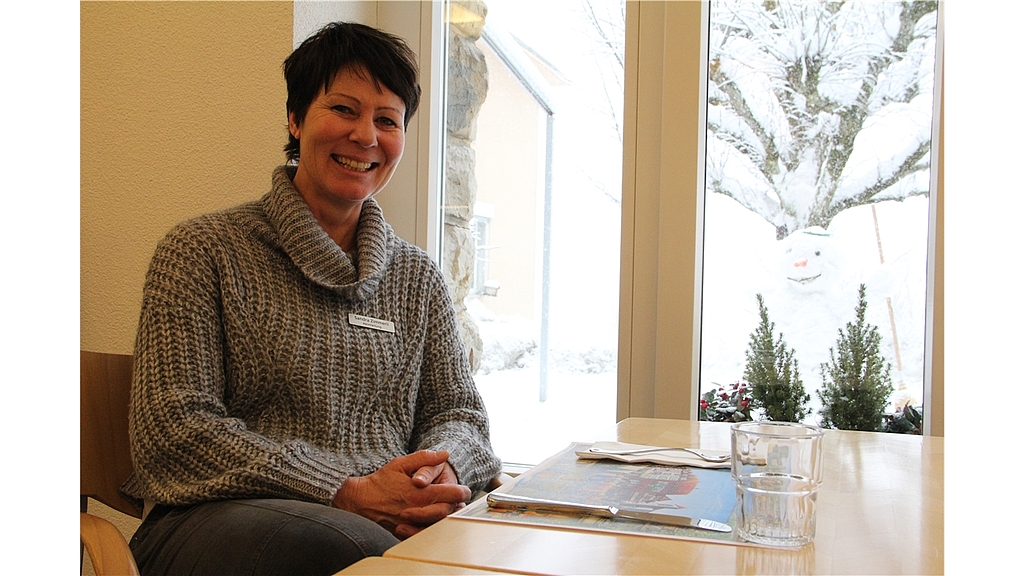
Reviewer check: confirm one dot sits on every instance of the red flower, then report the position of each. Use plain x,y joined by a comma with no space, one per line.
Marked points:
725,396
744,403
703,403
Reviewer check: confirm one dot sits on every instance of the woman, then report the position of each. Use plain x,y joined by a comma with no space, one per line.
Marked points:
301,396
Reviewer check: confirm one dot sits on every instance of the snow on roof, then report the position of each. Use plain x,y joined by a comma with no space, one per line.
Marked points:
519,63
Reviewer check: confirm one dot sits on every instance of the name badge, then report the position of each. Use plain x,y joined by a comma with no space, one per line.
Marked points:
375,323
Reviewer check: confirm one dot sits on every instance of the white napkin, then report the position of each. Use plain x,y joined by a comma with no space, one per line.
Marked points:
666,457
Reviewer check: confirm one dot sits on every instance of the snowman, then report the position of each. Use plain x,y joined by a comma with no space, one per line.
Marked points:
812,296
809,261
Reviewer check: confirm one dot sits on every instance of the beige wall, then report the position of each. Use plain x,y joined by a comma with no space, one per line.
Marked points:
509,156
182,112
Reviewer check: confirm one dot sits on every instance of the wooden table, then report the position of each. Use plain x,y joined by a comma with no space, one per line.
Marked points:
880,511
377,565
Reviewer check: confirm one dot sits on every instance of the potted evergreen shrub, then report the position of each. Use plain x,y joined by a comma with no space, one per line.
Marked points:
773,373
856,382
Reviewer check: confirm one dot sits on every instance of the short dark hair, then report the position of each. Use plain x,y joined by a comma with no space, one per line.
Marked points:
344,45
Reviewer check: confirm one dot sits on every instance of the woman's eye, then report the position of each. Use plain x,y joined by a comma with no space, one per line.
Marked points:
342,109
387,121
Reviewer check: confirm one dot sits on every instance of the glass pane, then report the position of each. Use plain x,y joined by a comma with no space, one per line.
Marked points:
817,182
532,213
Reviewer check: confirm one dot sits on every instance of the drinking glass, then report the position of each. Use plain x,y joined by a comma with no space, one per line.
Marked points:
777,467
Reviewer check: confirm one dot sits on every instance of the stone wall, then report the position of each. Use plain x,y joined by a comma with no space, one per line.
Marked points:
467,89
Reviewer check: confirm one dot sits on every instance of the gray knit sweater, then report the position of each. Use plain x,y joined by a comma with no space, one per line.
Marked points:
250,381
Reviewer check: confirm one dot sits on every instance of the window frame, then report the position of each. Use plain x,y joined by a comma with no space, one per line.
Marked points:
659,316
412,200
663,163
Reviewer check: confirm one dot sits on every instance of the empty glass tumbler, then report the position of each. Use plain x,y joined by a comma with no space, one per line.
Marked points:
777,467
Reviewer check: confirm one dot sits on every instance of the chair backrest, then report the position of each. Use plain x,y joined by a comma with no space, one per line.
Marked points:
106,460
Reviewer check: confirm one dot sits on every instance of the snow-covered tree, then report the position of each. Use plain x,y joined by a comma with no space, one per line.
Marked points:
774,373
607,34
804,99
856,381
603,32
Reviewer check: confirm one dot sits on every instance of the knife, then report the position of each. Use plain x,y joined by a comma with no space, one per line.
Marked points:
504,500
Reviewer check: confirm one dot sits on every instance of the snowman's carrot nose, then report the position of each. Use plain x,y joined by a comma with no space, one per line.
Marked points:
800,263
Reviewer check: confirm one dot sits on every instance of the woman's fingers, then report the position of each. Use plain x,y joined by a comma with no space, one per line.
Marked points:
411,463
427,515
406,494
426,475
403,531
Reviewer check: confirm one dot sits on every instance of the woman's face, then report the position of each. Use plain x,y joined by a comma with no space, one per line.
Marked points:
350,141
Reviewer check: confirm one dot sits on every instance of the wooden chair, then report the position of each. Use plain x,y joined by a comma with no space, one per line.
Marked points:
105,457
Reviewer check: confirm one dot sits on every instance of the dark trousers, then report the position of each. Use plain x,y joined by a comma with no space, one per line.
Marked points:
257,537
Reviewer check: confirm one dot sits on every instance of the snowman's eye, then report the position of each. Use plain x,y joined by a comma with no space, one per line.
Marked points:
817,252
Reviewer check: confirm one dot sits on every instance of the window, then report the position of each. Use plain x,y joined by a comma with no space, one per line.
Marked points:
665,135
480,227
818,179
532,213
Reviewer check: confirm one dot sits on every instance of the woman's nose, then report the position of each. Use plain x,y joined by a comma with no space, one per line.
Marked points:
364,133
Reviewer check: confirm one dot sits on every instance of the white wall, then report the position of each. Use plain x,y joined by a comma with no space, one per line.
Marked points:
308,17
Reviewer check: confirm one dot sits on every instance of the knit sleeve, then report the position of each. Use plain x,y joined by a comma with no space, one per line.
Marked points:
185,446
450,413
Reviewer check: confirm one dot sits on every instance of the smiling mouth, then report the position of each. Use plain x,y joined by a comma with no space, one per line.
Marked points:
354,164
807,280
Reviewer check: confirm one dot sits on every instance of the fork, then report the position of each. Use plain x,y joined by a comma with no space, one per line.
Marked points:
697,453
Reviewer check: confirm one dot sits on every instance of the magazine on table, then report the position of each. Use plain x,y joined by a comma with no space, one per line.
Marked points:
681,490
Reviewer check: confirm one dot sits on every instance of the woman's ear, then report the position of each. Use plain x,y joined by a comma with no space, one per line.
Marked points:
293,127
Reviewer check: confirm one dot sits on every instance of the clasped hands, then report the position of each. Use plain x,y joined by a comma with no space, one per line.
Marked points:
407,494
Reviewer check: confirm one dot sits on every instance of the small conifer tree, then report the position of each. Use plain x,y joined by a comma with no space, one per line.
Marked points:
773,373
855,383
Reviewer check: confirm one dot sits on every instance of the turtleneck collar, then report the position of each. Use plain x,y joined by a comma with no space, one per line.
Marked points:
312,250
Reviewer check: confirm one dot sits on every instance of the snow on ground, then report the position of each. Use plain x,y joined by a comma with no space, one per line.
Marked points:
580,399
525,430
